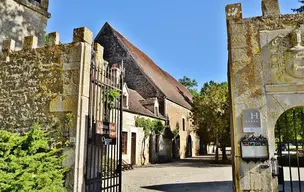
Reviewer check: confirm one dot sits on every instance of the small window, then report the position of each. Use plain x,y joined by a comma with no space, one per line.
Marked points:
124,142
156,111
184,126
124,101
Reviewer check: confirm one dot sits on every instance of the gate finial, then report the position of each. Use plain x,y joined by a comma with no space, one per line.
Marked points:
270,8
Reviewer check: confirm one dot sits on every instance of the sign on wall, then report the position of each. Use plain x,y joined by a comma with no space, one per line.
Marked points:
251,121
108,132
254,148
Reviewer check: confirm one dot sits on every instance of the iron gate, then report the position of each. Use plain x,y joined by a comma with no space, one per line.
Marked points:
290,146
103,156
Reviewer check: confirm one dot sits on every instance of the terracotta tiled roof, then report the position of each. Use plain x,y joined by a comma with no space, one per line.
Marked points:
136,107
170,87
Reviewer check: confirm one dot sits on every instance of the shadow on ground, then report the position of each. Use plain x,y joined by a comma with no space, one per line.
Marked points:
295,186
216,186
200,162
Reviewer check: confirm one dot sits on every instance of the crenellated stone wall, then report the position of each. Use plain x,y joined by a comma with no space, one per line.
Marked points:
265,73
43,84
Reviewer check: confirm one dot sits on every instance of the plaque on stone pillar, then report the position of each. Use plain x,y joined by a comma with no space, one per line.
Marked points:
254,149
251,121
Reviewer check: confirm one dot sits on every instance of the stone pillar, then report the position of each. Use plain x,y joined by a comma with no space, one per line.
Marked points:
255,48
8,46
233,15
30,42
82,38
270,8
53,38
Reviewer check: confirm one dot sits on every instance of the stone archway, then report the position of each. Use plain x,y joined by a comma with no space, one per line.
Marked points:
289,146
265,73
189,146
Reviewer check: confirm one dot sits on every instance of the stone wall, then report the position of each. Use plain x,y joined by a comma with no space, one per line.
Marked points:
142,143
175,114
265,73
20,18
160,149
44,84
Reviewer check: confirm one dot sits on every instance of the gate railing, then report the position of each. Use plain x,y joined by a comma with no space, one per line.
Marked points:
104,157
290,146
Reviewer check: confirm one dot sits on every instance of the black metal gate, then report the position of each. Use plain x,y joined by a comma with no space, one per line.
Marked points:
103,152
290,146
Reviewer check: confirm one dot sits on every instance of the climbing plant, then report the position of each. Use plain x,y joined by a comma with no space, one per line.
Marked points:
175,133
150,126
61,128
29,163
111,97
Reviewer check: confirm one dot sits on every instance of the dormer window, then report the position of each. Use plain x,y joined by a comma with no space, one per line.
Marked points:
125,101
125,97
156,111
152,105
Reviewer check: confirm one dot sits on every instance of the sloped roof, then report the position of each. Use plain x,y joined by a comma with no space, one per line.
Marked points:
169,86
136,107
148,101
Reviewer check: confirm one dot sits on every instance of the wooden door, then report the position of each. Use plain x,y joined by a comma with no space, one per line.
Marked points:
133,149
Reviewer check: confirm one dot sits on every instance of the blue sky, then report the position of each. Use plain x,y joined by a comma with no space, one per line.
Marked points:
185,38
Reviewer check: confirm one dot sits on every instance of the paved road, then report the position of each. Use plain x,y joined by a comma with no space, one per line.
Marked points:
191,175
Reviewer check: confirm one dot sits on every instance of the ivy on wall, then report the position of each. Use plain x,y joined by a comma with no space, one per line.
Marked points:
60,136
28,163
150,126
175,133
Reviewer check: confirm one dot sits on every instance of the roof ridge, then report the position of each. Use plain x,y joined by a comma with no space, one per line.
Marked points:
155,74
117,34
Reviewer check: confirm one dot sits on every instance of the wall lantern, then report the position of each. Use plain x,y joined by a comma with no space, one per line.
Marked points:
274,167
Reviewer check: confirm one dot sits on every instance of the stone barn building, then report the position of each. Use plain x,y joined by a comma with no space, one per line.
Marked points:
150,81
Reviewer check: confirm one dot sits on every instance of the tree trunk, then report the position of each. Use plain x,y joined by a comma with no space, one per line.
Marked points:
205,149
143,160
216,153
224,158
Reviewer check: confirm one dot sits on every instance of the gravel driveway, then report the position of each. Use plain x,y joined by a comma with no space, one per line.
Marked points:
189,175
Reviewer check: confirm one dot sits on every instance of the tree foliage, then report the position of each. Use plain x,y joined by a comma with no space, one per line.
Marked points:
210,114
300,9
290,126
28,163
190,84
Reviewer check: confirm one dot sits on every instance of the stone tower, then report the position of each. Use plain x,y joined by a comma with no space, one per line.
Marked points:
20,18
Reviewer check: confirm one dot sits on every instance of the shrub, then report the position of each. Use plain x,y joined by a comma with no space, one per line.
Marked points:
28,163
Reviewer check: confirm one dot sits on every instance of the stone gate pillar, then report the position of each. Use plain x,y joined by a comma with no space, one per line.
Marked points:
265,73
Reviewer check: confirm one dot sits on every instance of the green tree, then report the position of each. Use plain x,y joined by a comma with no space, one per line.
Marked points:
28,163
190,84
210,115
290,125
300,9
